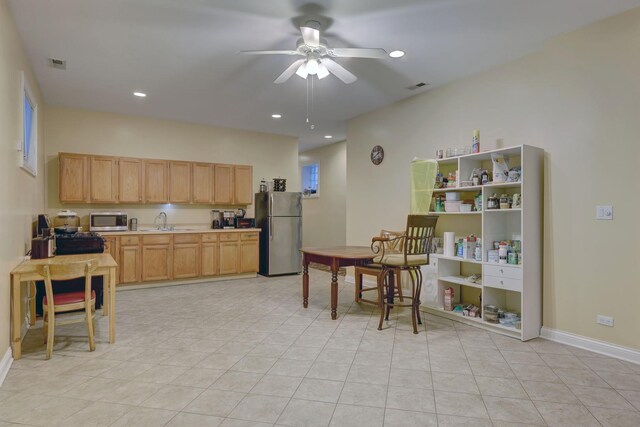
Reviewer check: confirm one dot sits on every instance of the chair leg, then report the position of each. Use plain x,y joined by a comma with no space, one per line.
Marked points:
399,284
44,325
358,287
381,300
417,295
413,301
89,316
51,325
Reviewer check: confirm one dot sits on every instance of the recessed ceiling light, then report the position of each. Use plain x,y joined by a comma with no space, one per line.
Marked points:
140,94
328,136
276,116
397,54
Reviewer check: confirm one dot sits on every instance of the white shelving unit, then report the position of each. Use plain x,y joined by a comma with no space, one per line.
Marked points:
516,288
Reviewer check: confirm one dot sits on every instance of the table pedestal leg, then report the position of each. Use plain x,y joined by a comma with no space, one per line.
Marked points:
112,305
334,292
305,283
15,319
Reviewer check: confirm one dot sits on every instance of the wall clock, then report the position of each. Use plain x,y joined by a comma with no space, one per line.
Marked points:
377,155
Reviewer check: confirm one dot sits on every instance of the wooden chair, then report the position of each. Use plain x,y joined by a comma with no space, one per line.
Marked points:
372,269
415,253
67,301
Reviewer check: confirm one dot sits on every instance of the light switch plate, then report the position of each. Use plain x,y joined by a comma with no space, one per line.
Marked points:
604,212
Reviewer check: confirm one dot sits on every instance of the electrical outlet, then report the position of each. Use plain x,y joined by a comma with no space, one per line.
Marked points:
604,212
604,320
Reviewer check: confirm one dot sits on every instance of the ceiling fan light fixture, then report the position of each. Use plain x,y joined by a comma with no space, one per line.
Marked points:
312,66
322,71
397,53
302,70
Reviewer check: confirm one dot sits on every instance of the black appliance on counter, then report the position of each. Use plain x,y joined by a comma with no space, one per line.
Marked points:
73,244
245,223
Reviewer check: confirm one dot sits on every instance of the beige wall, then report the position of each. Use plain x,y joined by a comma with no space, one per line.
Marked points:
21,194
82,131
579,99
323,217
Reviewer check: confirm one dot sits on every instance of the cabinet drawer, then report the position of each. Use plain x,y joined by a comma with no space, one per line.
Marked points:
129,240
209,237
228,237
248,236
186,238
502,283
503,270
156,240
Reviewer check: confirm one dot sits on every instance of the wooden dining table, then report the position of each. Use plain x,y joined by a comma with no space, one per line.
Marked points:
25,272
333,257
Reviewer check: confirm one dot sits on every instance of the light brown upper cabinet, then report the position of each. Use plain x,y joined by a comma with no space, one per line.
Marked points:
155,181
73,178
223,180
179,182
202,183
103,179
129,180
243,185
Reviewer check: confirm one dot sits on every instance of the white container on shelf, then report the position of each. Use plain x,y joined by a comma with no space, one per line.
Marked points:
465,207
452,206
452,196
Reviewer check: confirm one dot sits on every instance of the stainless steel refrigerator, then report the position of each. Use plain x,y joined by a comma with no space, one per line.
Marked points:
279,215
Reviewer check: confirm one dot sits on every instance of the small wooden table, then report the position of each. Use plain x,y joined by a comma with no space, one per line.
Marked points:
26,272
334,257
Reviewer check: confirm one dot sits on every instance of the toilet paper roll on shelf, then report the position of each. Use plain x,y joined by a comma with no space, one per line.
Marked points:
449,244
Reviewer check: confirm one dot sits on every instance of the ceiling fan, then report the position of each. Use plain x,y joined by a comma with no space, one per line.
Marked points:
318,56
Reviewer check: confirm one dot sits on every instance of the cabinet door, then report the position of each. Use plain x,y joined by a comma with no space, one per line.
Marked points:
229,254
156,262
155,181
243,185
223,180
103,179
129,264
186,260
179,182
209,257
111,246
249,257
73,177
202,183
129,180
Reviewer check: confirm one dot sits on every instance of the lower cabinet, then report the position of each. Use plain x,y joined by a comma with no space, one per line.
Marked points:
186,256
249,253
157,254
157,257
130,264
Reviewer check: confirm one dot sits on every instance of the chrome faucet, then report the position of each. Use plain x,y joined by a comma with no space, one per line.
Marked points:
163,218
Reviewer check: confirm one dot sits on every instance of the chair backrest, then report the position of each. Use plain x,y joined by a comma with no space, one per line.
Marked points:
67,271
417,237
393,246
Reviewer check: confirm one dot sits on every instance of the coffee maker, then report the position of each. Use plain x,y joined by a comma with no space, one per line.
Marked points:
217,219
229,219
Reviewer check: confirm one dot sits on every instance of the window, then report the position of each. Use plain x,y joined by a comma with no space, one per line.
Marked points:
29,130
310,180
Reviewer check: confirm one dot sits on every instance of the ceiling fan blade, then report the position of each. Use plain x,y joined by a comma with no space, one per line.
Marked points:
271,52
353,52
290,71
339,71
311,36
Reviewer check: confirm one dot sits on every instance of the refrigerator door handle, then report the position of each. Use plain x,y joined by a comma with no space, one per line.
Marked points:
270,204
270,228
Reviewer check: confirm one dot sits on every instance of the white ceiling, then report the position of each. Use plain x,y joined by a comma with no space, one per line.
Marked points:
184,53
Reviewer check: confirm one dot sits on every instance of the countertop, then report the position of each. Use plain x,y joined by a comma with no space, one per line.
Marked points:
178,230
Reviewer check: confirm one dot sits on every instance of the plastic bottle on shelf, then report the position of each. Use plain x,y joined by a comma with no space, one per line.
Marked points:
476,141
478,251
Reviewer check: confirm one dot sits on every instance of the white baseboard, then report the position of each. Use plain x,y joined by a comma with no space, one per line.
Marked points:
5,364
586,343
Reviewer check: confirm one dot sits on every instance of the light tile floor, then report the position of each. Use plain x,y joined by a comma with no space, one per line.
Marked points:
245,352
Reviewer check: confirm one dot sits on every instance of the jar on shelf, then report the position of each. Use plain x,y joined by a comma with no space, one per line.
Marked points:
504,201
493,202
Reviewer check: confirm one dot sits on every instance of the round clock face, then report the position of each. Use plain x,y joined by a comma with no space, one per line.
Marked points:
377,155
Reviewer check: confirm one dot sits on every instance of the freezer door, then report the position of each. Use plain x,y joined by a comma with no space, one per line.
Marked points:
284,245
285,204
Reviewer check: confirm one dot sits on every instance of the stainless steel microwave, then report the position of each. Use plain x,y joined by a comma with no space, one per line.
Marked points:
108,221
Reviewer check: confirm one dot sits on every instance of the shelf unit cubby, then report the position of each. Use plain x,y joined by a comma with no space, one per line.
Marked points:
516,288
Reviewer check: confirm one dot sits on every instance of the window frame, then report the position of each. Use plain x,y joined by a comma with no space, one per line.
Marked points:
28,159
317,193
